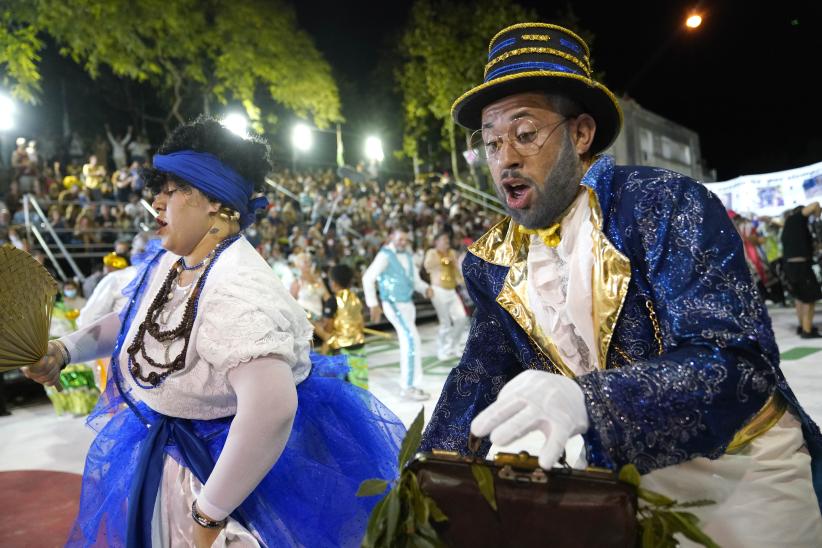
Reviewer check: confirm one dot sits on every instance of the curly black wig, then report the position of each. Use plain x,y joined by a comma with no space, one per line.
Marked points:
247,156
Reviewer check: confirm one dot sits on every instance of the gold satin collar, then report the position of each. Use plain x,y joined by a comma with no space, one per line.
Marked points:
550,236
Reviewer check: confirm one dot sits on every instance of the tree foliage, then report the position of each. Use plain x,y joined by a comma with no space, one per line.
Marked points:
186,49
444,50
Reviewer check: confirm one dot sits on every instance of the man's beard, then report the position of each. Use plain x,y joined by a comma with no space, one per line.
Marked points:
556,193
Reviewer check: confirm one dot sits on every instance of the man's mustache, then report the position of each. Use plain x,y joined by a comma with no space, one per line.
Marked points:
515,174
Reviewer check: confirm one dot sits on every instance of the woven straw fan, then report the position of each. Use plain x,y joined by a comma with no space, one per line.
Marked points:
27,293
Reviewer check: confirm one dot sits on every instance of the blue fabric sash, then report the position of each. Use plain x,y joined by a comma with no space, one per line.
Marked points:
149,472
208,174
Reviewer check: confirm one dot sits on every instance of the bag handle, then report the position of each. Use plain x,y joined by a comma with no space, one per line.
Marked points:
475,443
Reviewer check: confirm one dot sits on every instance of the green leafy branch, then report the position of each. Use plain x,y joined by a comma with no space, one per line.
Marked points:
403,518
660,517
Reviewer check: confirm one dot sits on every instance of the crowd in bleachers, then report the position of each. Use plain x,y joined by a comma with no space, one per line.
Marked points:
92,196
93,202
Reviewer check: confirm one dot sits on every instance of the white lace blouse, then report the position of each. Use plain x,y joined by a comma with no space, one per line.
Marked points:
244,313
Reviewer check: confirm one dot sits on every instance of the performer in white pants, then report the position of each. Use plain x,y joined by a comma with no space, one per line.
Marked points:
441,264
394,271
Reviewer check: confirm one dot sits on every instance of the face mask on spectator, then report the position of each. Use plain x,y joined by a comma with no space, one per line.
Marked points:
70,293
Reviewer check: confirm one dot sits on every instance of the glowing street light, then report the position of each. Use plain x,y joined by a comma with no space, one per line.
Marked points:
693,21
7,109
301,138
237,124
373,149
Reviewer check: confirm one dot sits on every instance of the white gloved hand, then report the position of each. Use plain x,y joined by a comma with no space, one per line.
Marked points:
535,400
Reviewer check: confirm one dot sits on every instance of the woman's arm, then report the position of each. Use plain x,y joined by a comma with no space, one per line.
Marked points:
96,340
266,405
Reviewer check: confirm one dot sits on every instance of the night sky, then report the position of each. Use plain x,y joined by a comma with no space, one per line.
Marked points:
746,80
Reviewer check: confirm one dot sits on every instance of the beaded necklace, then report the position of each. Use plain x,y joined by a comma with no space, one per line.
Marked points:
198,265
183,330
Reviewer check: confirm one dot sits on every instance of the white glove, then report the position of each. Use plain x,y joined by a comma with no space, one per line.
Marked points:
535,400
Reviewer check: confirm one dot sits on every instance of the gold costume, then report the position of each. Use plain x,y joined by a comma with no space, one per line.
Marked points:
348,321
442,269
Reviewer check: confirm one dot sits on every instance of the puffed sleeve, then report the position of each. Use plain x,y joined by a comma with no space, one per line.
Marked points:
250,315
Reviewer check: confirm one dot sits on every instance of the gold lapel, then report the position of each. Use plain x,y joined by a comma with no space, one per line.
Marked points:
610,278
504,245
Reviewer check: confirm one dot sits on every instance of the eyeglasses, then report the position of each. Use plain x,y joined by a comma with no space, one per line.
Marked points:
523,135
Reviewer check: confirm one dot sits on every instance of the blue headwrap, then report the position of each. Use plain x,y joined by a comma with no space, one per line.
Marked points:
209,175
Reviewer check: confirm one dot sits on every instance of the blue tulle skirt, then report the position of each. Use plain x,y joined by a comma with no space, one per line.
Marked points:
341,436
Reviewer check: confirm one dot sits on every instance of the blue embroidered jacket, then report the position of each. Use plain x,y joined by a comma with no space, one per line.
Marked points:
668,393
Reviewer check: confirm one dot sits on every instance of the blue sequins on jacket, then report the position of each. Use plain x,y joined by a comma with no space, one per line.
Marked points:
666,395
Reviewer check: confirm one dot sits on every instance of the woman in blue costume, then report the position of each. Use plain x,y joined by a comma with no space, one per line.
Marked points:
213,430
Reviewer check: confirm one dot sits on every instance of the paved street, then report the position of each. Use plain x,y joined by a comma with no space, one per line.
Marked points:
34,438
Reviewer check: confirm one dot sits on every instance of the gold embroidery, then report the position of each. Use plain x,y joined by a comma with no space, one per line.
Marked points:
536,37
540,26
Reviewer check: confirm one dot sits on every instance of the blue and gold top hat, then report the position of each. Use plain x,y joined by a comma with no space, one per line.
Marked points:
541,57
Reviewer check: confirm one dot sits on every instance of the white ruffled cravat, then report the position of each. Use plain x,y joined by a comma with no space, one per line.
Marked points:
559,288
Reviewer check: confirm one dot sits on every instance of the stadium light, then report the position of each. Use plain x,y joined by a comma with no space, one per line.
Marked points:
236,123
373,149
7,110
301,138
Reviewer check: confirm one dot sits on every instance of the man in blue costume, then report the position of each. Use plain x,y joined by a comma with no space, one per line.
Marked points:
615,302
394,272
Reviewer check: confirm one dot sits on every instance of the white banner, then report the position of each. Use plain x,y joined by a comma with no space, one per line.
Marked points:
771,193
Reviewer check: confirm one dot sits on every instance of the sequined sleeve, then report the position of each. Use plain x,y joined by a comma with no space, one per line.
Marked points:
487,363
718,360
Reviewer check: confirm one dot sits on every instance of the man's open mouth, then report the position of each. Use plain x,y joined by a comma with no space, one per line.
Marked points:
517,193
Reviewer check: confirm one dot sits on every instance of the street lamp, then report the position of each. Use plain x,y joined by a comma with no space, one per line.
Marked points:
302,140
373,149
374,154
6,112
7,109
693,21
236,123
